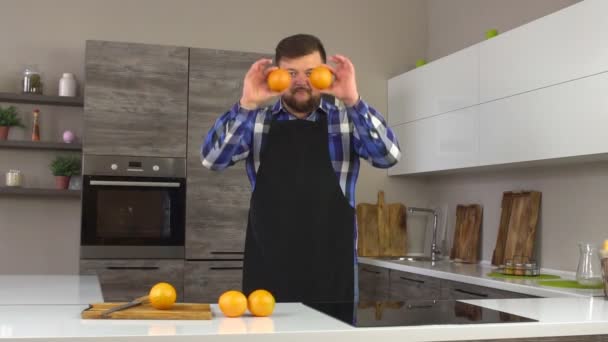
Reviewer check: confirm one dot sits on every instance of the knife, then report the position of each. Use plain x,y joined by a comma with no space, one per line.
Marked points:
134,302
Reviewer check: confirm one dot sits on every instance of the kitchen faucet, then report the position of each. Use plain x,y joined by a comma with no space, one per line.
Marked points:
434,250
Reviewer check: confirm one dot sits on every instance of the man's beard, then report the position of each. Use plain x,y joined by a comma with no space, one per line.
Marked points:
302,106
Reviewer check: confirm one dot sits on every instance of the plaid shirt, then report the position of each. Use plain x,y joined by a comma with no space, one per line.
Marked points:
358,131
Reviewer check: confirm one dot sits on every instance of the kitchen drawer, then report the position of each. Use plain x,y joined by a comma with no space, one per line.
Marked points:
373,283
457,290
126,279
205,281
406,286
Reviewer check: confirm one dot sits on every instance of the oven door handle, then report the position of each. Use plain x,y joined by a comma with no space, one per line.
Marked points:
142,184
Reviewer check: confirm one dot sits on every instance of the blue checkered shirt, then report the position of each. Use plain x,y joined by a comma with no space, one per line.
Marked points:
354,132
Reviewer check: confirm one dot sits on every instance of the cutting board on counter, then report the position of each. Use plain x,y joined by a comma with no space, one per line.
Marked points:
518,223
181,311
381,229
465,247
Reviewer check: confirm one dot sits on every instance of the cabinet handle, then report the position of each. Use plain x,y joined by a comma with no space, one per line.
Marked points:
227,253
132,268
225,268
370,271
471,293
412,280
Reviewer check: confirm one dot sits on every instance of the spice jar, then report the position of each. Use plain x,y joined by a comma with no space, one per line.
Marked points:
518,269
530,269
13,178
508,267
32,82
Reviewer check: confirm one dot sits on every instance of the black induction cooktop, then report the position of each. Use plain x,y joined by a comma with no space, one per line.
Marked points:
411,313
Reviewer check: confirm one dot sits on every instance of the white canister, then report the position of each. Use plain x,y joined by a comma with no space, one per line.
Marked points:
13,178
67,85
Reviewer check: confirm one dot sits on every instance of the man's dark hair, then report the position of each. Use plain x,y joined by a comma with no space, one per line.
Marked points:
297,46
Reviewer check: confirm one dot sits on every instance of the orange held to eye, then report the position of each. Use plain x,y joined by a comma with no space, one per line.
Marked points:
279,80
321,77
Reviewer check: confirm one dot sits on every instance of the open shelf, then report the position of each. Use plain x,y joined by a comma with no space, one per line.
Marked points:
39,145
42,99
10,190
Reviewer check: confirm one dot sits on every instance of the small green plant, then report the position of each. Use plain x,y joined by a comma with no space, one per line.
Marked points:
8,117
65,166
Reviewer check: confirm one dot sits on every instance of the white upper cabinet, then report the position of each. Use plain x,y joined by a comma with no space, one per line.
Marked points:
442,86
565,120
563,46
441,142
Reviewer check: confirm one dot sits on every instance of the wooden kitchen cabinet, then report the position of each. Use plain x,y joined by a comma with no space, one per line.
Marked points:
410,286
126,279
457,290
373,283
136,99
205,281
217,201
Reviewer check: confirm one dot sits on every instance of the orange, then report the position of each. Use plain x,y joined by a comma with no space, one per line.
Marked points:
162,296
321,77
278,80
260,303
233,303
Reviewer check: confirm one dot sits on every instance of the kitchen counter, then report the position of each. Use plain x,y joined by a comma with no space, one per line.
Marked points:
49,289
296,322
476,274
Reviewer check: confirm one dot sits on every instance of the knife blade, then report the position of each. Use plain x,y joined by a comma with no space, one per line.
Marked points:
134,302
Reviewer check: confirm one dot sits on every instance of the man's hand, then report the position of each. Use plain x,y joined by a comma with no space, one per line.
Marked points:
344,86
255,88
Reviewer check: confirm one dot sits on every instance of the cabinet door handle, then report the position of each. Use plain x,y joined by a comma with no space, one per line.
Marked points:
412,280
227,253
132,268
471,293
370,271
225,268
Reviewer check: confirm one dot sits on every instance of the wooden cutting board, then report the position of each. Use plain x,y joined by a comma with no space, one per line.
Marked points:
521,231
381,229
182,311
465,247
498,256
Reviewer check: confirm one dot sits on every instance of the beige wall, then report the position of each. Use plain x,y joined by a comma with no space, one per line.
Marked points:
456,24
383,38
575,197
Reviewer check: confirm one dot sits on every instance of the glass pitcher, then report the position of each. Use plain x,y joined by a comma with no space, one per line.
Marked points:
588,272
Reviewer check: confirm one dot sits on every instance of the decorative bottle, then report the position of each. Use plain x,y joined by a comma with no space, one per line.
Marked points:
36,128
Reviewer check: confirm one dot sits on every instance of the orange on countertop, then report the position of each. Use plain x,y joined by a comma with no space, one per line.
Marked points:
162,296
260,303
233,303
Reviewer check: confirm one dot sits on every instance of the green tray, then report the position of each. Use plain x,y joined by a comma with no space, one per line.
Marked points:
509,276
571,284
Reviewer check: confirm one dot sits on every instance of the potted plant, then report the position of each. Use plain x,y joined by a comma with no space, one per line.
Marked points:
64,167
8,118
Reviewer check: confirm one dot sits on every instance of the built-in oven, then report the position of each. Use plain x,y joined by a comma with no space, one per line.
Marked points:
133,207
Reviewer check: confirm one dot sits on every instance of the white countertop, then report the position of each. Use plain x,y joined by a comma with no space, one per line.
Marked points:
296,322
49,289
476,274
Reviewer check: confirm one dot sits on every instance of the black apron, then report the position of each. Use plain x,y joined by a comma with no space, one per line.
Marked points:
300,241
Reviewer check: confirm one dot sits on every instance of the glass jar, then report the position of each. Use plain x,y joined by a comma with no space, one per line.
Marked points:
32,82
508,267
588,272
13,178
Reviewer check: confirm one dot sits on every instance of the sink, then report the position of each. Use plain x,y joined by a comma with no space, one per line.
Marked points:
406,258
